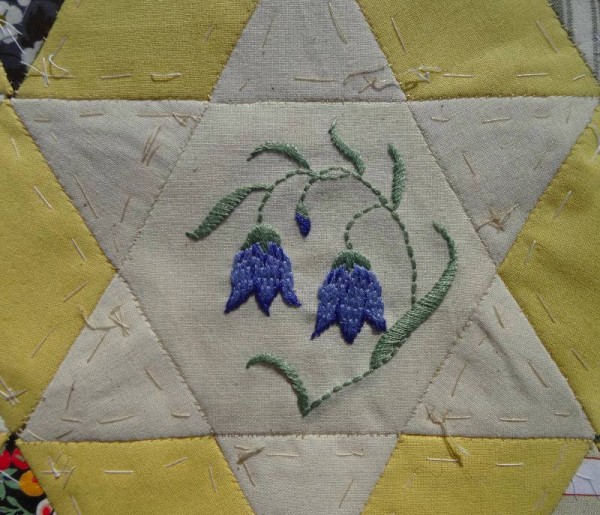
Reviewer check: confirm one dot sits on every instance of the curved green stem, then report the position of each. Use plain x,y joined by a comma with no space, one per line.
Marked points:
353,220
281,180
409,249
389,343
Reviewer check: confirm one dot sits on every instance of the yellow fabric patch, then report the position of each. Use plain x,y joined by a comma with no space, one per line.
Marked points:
553,270
493,476
51,268
140,49
5,87
470,48
188,475
3,438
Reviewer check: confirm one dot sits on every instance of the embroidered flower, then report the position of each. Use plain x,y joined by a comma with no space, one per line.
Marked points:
261,268
29,485
350,295
302,219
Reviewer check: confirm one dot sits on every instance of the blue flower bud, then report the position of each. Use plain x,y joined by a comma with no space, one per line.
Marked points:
302,219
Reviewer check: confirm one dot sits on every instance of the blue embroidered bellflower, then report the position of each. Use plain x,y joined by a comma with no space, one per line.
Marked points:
303,220
261,268
349,296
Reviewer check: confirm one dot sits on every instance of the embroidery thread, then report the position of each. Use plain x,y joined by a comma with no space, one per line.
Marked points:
351,293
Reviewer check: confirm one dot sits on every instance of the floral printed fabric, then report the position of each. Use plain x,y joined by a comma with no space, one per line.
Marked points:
20,492
24,24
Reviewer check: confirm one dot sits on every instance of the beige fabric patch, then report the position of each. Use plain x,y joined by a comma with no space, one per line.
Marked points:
112,157
183,285
116,383
307,50
307,474
499,380
499,154
3,428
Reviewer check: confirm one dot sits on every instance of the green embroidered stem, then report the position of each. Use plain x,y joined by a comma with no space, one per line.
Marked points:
351,155
398,176
409,249
285,149
389,343
354,219
323,175
281,180
395,336
410,253
288,371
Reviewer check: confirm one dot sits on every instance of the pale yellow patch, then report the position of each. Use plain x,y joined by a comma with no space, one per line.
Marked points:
45,281
470,48
187,475
429,475
139,49
558,285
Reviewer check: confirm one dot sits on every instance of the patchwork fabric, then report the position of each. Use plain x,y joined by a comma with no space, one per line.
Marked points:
300,257
581,496
193,277
559,294
203,37
24,24
307,50
20,492
112,158
418,479
54,271
582,19
499,154
439,51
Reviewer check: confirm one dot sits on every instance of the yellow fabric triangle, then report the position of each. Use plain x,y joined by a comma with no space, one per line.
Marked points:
53,271
454,475
140,49
5,87
553,270
472,48
187,475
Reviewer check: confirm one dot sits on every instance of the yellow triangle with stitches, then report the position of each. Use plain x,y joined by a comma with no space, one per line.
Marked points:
187,475
176,50
456,475
52,269
5,87
553,271
501,48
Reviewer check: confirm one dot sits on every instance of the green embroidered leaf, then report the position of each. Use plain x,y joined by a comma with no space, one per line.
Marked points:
351,155
285,149
393,339
290,374
223,209
398,176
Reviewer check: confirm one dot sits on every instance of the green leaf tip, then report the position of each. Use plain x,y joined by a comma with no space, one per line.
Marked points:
285,369
222,209
398,176
284,149
350,154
